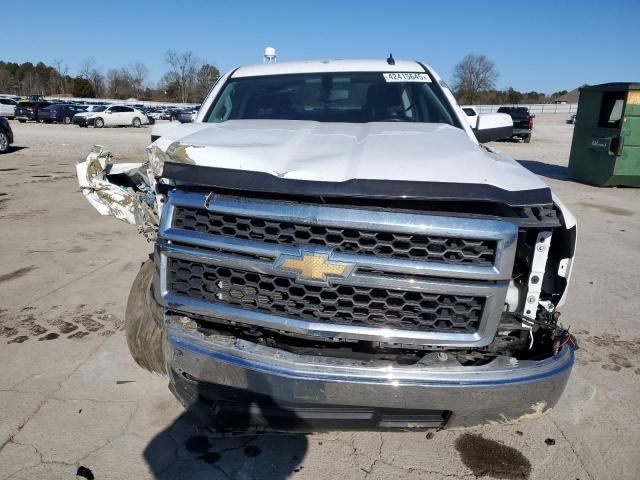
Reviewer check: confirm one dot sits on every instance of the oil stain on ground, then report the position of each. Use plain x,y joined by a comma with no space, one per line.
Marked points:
486,457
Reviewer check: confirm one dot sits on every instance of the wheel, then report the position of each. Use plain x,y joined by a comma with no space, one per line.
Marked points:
39,121
527,139
66,120
136,123
142,323
4,142
98,123
172,118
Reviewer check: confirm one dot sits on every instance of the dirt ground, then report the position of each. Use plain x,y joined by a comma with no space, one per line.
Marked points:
71,396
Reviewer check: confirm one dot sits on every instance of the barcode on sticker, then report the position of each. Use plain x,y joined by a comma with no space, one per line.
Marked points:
406,77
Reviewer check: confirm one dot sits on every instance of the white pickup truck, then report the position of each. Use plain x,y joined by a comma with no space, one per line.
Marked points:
334,248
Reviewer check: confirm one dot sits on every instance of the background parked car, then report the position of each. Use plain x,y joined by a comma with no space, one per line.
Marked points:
188,115
6,135
59,113
7,107
155,113
81,118
117,116
522,122
28,110
171,114
146,112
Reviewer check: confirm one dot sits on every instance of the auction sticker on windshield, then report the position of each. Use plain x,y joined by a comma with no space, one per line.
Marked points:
406,77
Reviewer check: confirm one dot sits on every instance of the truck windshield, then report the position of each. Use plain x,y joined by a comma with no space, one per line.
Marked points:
333,97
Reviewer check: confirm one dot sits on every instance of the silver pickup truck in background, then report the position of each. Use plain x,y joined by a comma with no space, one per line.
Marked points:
334,248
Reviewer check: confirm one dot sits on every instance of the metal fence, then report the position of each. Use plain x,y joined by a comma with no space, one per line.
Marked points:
533,108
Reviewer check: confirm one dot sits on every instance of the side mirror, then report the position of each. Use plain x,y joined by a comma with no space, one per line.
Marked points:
493,126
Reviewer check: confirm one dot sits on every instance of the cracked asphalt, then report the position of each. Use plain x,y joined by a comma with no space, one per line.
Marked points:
71,396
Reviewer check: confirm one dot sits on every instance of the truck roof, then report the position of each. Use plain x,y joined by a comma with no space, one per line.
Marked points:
336,65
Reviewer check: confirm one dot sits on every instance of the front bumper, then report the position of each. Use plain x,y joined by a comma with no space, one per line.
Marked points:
271,388
82,121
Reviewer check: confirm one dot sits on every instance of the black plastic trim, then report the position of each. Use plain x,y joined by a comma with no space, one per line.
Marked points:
213,177
491,134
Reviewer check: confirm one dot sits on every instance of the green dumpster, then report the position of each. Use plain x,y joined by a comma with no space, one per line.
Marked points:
605,150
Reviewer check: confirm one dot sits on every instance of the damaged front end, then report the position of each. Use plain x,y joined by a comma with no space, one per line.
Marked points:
125,191
308,311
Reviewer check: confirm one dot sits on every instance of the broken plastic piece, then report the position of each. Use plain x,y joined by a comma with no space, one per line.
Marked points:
123,190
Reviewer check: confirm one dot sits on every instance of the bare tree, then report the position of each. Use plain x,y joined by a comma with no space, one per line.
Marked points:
138,73
120,84
59,82
86,67
184,67
474,74
90,71
205,78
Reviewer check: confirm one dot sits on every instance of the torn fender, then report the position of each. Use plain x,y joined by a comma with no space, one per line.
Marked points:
122,190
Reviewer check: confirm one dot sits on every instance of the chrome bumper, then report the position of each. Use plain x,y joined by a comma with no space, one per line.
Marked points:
502,391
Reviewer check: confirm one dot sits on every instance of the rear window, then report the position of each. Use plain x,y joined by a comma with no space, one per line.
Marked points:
359,97
514,110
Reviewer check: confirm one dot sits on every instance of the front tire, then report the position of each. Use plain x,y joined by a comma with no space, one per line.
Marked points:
66,120
142,323
527,139
136,123
98,123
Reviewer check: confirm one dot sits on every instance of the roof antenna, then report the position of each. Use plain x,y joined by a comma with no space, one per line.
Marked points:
391,60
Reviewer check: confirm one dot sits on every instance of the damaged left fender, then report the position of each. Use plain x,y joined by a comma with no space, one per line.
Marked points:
123,190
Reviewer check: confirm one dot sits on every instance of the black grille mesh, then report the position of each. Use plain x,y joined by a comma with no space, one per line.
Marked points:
383,244
346,305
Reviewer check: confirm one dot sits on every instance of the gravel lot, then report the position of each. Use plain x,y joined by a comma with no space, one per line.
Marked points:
71,396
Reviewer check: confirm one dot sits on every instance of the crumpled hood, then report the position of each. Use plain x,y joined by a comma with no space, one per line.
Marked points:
338,152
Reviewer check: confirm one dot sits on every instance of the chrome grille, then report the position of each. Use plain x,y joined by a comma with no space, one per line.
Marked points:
222,257
346,240
341,304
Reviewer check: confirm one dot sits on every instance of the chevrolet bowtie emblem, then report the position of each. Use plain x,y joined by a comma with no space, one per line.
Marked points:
314,267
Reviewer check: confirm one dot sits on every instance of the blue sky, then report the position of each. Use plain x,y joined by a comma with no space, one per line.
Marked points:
537,45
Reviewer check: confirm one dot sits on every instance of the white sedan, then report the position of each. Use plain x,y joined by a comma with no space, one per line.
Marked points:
116,116
7,107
